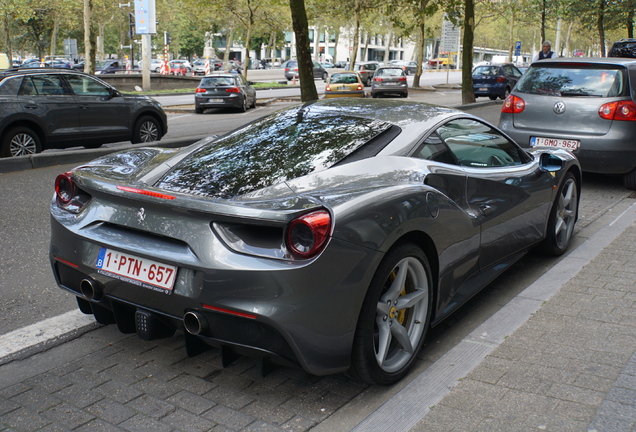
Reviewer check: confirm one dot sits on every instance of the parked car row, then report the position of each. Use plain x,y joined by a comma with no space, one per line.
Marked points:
384,80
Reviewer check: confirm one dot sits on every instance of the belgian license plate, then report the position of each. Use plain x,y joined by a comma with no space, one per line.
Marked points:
344,88
555,142
140,271
391,83
215,100
483,88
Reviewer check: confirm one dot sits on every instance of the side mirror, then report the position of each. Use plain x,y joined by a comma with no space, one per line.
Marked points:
550,163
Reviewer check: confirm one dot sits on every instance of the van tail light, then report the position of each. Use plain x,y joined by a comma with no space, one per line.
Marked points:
513,105
619,110
501,79
233,90
68,195
200,90
307,235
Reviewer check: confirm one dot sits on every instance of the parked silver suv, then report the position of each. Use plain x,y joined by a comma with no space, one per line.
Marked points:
585,105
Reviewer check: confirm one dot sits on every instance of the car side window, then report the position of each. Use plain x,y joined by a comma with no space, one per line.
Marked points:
478,145
434,149
10,86
46,85
85,86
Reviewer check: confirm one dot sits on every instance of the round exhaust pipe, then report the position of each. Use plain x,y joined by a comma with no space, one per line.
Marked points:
194,323
90,289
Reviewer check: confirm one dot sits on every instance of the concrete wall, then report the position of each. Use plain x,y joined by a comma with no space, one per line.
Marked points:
127,83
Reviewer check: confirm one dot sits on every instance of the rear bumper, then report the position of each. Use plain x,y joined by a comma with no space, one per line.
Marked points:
612,153
340,94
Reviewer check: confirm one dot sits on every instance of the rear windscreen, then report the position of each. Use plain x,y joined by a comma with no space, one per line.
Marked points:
280,147
217,82
574,80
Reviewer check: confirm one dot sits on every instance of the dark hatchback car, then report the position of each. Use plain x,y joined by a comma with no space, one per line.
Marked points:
585,105
224,91
44,108
623,48
495,80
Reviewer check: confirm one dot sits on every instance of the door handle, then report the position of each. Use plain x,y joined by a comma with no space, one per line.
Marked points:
31,106
85,107
485,209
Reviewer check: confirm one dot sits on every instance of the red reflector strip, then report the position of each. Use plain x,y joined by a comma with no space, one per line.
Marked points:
227,311
145,192
66,262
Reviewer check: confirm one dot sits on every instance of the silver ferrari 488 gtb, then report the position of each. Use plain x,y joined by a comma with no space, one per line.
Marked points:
328,236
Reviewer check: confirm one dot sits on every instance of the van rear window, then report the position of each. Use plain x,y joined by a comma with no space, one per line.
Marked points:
563,79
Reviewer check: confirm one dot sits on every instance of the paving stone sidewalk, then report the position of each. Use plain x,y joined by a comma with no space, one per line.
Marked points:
571,367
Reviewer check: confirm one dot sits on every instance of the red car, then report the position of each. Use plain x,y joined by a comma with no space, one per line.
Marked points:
179,67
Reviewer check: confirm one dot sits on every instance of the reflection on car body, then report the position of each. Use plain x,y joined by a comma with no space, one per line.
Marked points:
328,235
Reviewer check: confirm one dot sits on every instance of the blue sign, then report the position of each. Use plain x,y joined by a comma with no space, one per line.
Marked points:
518,48
145,17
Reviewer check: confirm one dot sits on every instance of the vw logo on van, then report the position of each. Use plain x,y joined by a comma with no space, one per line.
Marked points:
559,107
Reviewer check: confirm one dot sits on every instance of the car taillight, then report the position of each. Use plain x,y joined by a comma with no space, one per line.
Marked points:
377,79
402,79
200,90
501,79
328,88
307,235
64,188
233,90
513,105
619,110
68,195
359,86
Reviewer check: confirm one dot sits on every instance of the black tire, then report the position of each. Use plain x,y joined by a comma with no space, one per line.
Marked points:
325,76
147,129
243,106
563,216
198,110
491,97
395,317
20,141
506,93
253,103
629,180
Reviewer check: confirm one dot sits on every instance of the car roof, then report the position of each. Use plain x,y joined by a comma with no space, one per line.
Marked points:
38,70
625,61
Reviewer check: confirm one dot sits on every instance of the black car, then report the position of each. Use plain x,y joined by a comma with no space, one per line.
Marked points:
623,48
229,90
495,80
44,108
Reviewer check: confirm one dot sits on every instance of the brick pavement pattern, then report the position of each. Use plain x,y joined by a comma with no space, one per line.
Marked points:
571,367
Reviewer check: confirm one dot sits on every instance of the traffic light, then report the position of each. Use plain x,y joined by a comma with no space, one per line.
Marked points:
166,38
131,25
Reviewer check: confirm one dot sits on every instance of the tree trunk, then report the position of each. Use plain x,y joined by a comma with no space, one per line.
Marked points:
228,45
600,26
56,26
387,49
468,93
511,33
419,49
89,47
308,90
356,34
